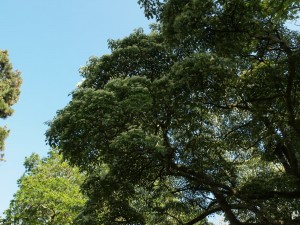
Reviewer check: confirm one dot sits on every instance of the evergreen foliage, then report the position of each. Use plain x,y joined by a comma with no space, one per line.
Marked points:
10,82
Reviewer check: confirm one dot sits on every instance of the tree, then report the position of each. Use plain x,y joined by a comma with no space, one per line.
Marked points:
121,95
265,88
10,82
49,193
215,131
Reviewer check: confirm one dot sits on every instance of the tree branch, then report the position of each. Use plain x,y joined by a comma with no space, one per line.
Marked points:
204,215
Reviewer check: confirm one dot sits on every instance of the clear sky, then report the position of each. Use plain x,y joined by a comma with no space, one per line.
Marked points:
48,41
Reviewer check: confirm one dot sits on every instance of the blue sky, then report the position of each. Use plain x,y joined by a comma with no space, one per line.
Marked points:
48,41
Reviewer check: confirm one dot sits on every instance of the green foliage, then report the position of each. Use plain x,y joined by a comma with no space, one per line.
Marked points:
171,135
10,82
49,193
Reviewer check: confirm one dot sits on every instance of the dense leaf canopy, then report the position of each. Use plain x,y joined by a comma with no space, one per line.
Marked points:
199,117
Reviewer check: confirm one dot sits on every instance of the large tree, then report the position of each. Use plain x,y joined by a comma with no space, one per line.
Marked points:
107,110
208,123
10,82
49,193
254,36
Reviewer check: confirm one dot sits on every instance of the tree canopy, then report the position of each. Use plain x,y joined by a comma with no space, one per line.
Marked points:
49,193
10,82
199,117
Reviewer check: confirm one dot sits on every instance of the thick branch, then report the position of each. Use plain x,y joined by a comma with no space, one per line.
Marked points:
202,178
204,215
266,195
226,208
